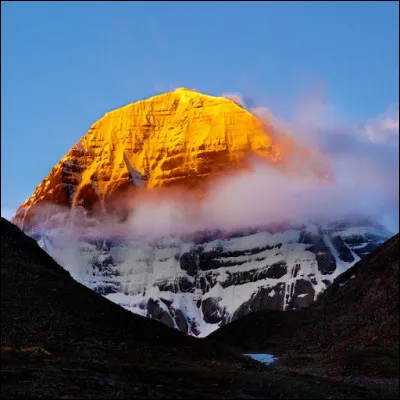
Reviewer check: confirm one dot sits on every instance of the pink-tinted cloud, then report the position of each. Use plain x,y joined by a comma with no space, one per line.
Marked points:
384,128
365,171
235,97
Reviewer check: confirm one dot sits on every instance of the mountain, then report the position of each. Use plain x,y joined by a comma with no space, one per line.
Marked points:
62,340
181,138
196,282
353,327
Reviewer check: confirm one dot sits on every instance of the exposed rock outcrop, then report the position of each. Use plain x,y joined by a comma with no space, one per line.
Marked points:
180,138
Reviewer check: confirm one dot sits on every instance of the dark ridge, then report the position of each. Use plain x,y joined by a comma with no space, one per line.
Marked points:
62,340
36,288
43,307
354,324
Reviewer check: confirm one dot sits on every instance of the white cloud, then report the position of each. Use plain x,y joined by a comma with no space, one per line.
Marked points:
235,97
366,174
384,128
363,157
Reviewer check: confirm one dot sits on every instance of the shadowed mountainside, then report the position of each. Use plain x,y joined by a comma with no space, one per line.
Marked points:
62,340
353,327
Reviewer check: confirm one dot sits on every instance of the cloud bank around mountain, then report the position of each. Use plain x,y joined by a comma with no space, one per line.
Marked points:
364,159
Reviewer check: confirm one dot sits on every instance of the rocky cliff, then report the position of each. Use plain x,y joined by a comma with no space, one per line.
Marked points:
201,283
180,138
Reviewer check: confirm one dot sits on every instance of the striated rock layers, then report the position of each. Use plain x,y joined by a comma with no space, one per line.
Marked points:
199,284
180,138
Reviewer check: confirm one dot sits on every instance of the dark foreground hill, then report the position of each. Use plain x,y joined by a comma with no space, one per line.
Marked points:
353,327
358,322
61,340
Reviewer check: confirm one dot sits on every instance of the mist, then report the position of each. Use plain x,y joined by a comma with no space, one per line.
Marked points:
362,160
363,156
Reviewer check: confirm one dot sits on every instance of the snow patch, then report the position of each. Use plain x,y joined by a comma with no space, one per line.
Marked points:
132,270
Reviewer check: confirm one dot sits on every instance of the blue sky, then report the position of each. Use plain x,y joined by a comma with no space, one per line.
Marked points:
63,65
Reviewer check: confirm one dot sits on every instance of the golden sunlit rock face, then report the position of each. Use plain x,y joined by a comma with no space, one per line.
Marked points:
181,138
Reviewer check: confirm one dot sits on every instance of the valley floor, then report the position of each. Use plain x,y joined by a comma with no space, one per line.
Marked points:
37,375
317,367
310,366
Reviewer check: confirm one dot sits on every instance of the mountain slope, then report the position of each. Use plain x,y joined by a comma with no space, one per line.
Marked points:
359,323
42,306
200,283
62,340
180,138
354,325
